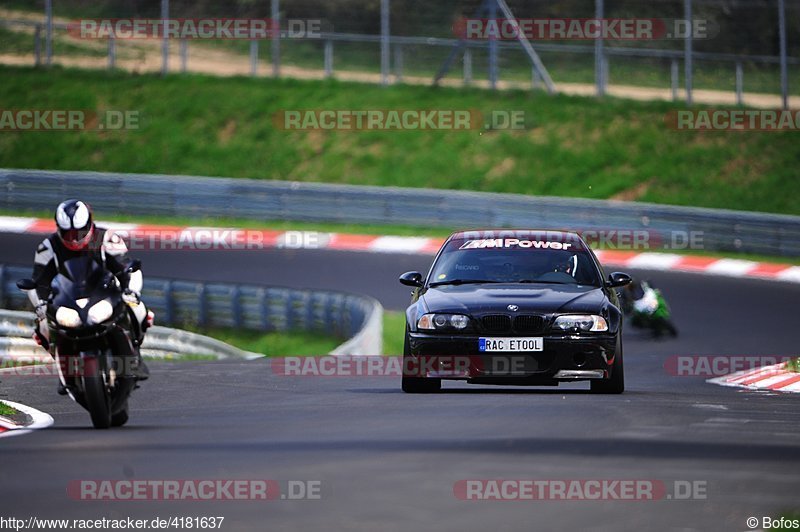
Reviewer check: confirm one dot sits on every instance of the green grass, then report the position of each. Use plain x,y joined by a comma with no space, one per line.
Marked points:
6,410
571,146
793,365
276,344
394,326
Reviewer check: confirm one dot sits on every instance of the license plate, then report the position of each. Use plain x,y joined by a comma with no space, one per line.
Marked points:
494,345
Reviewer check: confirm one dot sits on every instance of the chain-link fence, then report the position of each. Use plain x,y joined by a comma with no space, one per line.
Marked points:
735,47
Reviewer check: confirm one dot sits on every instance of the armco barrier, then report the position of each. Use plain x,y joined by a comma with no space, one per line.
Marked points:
16,330
358,319
182,196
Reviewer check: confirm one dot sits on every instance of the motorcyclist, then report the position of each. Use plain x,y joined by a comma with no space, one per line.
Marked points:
647,307
77,235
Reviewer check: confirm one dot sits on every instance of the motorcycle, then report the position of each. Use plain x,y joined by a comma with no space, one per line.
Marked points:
648,309
91,338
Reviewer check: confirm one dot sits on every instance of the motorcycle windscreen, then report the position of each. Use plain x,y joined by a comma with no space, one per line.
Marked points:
77,277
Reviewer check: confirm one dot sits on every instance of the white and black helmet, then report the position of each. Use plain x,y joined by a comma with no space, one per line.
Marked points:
75,224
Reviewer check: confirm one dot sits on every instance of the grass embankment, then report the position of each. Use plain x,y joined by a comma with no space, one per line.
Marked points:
6,410
571,146
276,344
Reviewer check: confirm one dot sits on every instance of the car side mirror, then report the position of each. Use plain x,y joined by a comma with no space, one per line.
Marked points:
618,279
26,284
134,266
411,279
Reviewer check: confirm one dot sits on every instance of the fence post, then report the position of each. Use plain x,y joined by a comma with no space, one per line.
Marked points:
598,52
739,83
467,66
385,42
673,74
48,20
276,37
253,57
184,51
165,39
37,45
687,50
112,52
398,62
782,37
328,58
493,48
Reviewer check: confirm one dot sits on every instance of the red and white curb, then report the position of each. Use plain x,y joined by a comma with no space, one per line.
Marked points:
202,238
776,378
39,420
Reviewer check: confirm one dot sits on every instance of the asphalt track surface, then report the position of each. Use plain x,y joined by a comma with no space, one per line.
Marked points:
389,461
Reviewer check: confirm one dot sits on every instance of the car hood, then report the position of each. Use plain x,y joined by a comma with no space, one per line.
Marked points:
477,299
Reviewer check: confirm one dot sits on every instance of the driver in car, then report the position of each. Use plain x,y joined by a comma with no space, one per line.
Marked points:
77,235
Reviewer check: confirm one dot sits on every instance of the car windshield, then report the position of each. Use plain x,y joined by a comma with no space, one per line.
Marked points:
515,260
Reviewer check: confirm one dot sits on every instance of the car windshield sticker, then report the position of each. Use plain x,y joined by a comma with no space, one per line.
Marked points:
513,243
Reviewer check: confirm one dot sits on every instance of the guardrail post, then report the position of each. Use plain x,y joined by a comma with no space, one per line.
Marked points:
236,306
263,309
202,306
467,66
328,58
739,83
112,52
3,301
254,58
37,45
169,304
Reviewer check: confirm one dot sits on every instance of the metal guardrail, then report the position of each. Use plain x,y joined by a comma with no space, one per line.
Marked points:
16,330
183,196
356,319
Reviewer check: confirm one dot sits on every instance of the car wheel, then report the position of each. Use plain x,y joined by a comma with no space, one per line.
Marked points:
416,384
615,384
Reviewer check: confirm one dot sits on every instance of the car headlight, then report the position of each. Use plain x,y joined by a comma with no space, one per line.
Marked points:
100,311
67,317
432,322
587,322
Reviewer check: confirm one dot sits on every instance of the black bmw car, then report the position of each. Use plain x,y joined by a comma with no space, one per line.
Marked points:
514,307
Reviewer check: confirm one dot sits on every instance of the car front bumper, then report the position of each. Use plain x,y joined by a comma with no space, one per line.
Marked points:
564,358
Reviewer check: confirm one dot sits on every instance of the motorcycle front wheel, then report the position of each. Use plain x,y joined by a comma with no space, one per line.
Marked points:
98,402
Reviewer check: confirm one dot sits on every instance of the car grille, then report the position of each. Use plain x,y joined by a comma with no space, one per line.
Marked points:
529,324
502,323
496,323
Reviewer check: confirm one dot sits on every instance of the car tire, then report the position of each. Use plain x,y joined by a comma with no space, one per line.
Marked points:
616,383
417,384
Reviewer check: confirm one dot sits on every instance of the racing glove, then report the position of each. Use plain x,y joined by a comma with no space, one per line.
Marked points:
131,297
